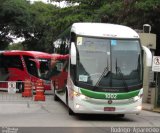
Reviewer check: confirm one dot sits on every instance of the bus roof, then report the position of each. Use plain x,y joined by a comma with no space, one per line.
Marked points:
103,30
35,54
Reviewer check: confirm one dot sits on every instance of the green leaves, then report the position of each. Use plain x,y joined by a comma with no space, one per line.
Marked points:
40,24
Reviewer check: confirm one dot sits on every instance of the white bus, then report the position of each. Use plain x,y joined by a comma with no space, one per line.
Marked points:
105,69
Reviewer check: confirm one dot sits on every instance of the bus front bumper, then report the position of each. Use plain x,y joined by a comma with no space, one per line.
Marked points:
97,106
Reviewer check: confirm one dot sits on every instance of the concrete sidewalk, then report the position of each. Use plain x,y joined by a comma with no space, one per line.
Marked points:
150,107
18,108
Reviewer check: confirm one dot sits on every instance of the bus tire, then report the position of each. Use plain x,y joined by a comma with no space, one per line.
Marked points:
121,115
55,97
70,112
20,87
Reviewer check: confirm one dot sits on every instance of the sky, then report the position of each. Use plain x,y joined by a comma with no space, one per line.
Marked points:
61,4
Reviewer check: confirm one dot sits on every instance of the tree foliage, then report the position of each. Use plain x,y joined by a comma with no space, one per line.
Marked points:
41,23
40,32
13,17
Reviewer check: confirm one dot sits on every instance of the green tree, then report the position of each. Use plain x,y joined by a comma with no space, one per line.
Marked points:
14,16
40,33
15,46
40,24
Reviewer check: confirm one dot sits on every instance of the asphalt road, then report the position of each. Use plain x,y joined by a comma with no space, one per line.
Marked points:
53,116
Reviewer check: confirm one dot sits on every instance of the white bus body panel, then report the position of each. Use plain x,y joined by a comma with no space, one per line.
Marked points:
103,30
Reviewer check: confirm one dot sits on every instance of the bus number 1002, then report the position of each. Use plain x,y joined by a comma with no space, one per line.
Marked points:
112,96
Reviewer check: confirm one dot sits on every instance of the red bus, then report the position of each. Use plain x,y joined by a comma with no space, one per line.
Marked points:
59,73
16,65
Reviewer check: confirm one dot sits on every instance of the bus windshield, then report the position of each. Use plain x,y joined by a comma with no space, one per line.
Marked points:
44,68
32,68
112,65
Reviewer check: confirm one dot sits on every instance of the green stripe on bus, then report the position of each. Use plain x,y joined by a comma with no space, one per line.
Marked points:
102,95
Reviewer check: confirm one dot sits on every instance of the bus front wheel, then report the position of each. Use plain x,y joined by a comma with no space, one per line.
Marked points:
121,115
55,97
70,112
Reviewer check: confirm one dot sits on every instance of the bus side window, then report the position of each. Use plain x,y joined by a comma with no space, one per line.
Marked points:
73,37
32,69
31,65
13,62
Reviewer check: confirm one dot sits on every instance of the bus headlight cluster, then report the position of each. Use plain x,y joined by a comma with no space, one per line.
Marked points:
77,106
139,107
136,98
83,97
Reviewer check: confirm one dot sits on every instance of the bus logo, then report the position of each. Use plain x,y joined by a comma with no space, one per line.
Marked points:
111,96
109,101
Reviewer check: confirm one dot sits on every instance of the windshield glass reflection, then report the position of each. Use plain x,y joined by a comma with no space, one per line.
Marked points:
108,63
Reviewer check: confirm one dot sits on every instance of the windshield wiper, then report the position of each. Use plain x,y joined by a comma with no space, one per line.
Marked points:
122,76
105,73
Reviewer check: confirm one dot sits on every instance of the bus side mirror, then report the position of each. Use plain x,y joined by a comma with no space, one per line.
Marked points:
148,56
73,53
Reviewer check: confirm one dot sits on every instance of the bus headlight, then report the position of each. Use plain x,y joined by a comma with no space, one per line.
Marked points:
81,96
76,93
77,106
139,96
136,98
139,107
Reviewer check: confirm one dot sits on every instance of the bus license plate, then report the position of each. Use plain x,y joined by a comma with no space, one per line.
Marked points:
109,108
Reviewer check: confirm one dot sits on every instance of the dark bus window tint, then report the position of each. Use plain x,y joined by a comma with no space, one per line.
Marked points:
31,65
4,74
44,65
13,61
